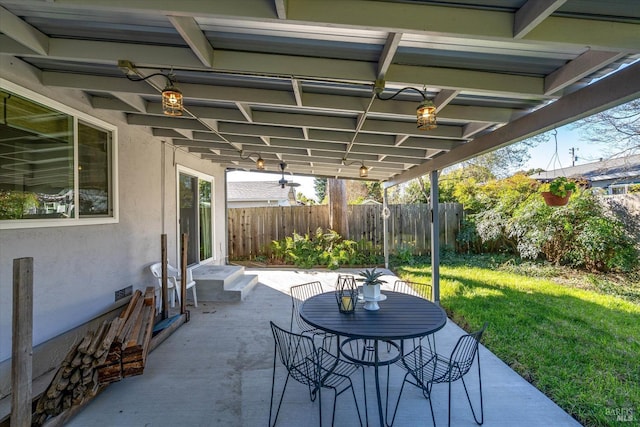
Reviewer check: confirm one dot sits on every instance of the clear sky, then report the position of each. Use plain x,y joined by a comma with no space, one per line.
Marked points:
543,156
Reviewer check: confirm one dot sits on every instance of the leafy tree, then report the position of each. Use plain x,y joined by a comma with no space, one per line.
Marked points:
305,200
320,187
618,129
374,190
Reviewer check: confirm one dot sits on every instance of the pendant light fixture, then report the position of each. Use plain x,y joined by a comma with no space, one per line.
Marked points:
426,111
259,162
364,171
172,99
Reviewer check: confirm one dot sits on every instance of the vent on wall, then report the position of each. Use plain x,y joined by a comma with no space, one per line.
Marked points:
124,292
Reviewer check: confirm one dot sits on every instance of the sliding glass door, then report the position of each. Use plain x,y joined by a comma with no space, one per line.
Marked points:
195,214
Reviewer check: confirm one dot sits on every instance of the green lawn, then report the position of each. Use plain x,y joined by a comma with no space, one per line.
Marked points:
578,346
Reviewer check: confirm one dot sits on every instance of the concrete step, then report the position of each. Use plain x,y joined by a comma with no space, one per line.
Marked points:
223,274
223,283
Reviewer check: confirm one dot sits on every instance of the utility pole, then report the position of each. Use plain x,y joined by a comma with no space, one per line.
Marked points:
574,158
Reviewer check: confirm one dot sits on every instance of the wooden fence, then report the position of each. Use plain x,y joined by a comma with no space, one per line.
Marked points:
251,230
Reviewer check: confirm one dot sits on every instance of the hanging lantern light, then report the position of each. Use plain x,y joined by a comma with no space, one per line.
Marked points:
426,115
171,100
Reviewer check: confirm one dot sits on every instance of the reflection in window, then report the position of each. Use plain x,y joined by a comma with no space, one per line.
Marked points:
94,146
37,174
206,245
36,160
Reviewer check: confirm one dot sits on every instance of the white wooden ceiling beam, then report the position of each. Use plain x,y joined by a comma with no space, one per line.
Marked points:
211,145
256,9
281,8
406,128
173,133
163,57
400,139
618,88
259,130
165,122
531,14
245,109
297,91
444,97
423,19
432,143
470,23
390,48
395,151
585,64
114,104
195,38
23,33
473,128
212,124
135,101
464,80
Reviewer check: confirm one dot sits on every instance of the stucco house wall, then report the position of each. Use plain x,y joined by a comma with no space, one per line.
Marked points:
77,269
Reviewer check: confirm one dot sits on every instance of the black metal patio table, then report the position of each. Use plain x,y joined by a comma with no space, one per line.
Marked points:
400,317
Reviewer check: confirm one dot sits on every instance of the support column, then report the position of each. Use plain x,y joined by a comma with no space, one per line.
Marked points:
22,343
385,228
435,237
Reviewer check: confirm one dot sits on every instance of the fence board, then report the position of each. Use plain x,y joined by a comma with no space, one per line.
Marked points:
251,230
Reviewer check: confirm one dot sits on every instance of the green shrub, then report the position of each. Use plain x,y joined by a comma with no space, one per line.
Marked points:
580,234
323,248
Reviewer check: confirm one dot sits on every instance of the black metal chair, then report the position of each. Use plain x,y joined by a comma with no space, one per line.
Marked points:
314,367
422,290
425,368
299,294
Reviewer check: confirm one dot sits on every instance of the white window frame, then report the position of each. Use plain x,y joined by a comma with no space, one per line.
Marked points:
77,116
205,177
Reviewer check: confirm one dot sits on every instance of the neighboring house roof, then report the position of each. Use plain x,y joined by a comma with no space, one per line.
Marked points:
258,191
370,202
611,169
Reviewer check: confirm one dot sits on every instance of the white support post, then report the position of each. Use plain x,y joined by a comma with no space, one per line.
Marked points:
435,237
385,229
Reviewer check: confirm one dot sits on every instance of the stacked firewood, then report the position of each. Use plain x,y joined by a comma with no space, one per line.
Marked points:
129,349
117,349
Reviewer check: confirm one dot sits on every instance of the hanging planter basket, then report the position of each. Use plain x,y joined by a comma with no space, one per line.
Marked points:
552,200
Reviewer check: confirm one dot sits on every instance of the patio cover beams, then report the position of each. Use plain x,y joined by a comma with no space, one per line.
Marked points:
623,86
298,74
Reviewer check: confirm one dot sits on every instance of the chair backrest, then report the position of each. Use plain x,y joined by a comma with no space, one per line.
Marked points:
423,290
463,353
297,353
156,270
299,294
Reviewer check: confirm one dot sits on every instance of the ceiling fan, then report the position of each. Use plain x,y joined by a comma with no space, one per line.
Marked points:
283,182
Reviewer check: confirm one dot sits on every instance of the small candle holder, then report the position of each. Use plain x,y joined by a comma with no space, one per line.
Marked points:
346,294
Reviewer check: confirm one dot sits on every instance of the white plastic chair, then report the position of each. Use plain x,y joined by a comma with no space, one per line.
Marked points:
173,282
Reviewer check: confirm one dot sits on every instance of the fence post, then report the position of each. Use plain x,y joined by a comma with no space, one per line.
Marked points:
22,343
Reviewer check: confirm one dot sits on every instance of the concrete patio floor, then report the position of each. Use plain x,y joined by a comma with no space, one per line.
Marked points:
216,371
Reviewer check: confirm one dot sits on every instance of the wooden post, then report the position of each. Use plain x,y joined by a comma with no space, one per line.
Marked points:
183,272
337,189
165,290
22,343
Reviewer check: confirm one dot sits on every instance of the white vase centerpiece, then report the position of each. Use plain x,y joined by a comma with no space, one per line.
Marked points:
371,288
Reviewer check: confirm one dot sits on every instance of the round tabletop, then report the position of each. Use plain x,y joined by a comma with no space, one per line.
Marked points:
401,316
